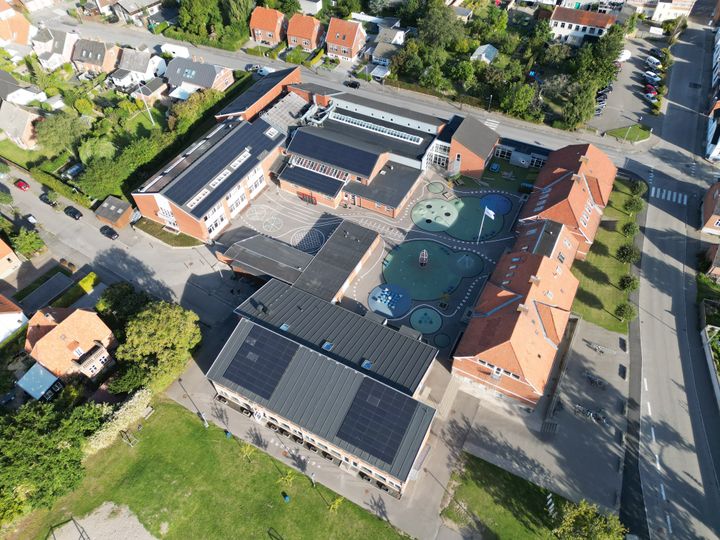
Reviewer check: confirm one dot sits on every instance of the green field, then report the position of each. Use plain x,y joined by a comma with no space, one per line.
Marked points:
194,483
634,133
171,239
502,505
599,294
25,158
509,177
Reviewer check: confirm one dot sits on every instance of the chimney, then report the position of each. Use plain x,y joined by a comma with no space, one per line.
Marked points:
584,159
535,280
576,177
522,308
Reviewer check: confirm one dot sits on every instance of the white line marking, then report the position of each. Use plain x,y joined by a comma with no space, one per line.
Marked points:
667,518
675,194
662,492
684,199
652,432
652,191
649,409
645,383
657,462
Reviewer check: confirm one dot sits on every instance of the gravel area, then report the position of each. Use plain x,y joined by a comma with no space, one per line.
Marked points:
107,522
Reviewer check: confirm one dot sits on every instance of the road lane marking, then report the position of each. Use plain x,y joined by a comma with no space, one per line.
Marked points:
663,195
652,191
652,432
669,524
662,491
645,383
657,462
675,194
649,409
684,199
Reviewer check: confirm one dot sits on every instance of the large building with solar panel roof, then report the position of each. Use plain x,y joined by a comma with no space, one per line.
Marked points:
336,382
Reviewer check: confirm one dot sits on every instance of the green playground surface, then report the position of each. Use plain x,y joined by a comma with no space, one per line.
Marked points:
442,274
460,218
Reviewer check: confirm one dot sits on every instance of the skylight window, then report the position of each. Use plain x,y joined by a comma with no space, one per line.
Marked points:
272,132
327,345
219,178
367,364
199,197
284,327
242,158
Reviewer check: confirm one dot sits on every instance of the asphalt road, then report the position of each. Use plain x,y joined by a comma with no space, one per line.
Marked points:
679,419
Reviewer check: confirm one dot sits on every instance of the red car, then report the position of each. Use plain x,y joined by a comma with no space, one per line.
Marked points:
650,88
22,185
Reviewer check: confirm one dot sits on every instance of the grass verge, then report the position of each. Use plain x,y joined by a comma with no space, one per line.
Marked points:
598,293
504,505
24,292
77,291
189,482
634,133
171,239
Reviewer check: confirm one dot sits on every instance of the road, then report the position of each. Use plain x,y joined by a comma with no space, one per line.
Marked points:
679,422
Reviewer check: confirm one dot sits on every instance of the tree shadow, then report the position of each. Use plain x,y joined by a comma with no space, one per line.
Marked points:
299,461
257,439
378,507
133,270
588,298
591,271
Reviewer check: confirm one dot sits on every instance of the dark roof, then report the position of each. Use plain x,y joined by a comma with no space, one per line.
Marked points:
112,208
386,50
547,239
311,180
525,148
348,409
389,187
133,60
318,144
337,260
395,359
450,128
241,103
120,73
151,86
200,164
392,109
90,52
46,293
476,136
265,256
317,89
184,70
43,35
8,85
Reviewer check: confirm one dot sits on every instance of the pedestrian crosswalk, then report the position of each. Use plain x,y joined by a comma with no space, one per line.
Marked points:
492,124
669,195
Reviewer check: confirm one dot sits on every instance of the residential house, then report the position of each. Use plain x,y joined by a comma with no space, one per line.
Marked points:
137,66
186,76
14,27
12,317
463,14
150,91
388,43
67,341
311,7
572,26
666,10
345,39
267,26
485,53
40,383
510,346
105,7
54,47
136,11
114,212
471,147
95,56
710,210
712,257
305,31
9,261
573,188
18,93
18,124
213,180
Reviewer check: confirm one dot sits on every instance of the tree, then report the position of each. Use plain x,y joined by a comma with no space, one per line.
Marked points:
541,35
556,53
184,114
628,253
84,106
4,168
377,6
584,521
27,242
518,99
410,12
197,16
288,7
247,451
440,27
60,131
96,148
130,377
41,454
433,78
160,337
237,12
638,187
625,312
633,205
463,73
5,197
628,282
51,195
287,479
336,504
630,229
579,107
345,7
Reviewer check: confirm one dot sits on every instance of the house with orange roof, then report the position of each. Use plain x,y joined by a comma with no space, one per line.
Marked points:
14,27
572,26
9,261
11,317
305,31
344,39
512,340
710,210
573,188
67,341
267,26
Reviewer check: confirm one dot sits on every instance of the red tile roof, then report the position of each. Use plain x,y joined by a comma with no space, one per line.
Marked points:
304,27
8,306
344,33
266,19
583,17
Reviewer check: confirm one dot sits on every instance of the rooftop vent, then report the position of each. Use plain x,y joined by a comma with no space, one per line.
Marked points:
535,280
584,159
522,308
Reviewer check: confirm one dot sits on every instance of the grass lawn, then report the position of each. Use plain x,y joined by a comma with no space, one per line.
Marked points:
25,158
194,483
22,293
140,122
171,239
507,506
634,133
77,291
598,294
513,176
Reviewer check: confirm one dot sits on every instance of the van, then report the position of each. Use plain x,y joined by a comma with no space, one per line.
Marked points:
653,62
265,71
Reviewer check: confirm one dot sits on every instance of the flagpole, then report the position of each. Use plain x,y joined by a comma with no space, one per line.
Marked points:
482,221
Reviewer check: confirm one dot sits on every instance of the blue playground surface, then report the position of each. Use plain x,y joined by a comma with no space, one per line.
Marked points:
500,204
461,218
391,301
426,320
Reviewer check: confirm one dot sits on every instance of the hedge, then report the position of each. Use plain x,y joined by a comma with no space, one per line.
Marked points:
256,51
222,43
61,187
160,28
315,59
276,50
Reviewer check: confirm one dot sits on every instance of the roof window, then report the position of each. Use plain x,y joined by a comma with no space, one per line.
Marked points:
328,345
284,327
367,364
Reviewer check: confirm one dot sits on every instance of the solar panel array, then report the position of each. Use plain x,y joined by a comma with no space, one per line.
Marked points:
377,420
261,362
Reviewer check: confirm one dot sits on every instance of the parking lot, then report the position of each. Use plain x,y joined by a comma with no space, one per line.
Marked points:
626,105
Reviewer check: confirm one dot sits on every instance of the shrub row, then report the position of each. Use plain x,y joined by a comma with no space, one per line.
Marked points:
61,187
228,44
315,59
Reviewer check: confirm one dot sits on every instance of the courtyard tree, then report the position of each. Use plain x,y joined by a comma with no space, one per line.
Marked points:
518,100
628,282
625,311
27,242
584,521
440,27
638,188
628,253
336,504
630,229
463,73
633,205
579,106
60,131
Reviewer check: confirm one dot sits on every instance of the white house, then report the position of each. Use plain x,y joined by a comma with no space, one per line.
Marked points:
485,53
54,47
310,7
11,318
136,66
136,11
572,26
105,7
672,9
388,43
13,92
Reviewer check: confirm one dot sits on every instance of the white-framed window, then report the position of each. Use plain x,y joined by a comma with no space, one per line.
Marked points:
717,223
242,158
561,257
199,197
567,243
78,351
219,178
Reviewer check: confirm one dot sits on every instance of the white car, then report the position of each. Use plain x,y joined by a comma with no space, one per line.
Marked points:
265,71
624,56
652,77
651,98
653,62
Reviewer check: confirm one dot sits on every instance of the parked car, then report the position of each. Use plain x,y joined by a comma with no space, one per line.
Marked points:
22,185
653,62
624,56
109,232
656,52
252,67
32,220
47,200
607,90
652,77
73,212
352,84
265,71
652,92
602,98
650,88
651,98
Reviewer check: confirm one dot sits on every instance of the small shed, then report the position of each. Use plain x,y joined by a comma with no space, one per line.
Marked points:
115,212
40,383
486,53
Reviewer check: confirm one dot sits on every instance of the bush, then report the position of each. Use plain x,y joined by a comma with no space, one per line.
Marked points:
628,282
633,205
6,197
628,253
160,28
63,189
625,311
630,229
128,414
315,59
84,106
275,51
89,282
4,168
27,242
638,188
256,51
229,41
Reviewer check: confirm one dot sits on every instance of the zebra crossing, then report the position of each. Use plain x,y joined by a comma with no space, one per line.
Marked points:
669,195
492,124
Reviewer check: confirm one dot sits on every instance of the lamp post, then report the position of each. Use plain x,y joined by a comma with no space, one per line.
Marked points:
490,103
628,129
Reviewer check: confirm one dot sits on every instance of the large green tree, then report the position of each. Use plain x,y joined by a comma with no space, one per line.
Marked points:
198,16
579,106
60,131
345,7
237,12
518,99
439,27
584,521
41,454
120,302
27,242
96,148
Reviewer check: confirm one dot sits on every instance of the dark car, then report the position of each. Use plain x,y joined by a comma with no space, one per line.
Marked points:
657,53
44,197
109,232
73,212
352,84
